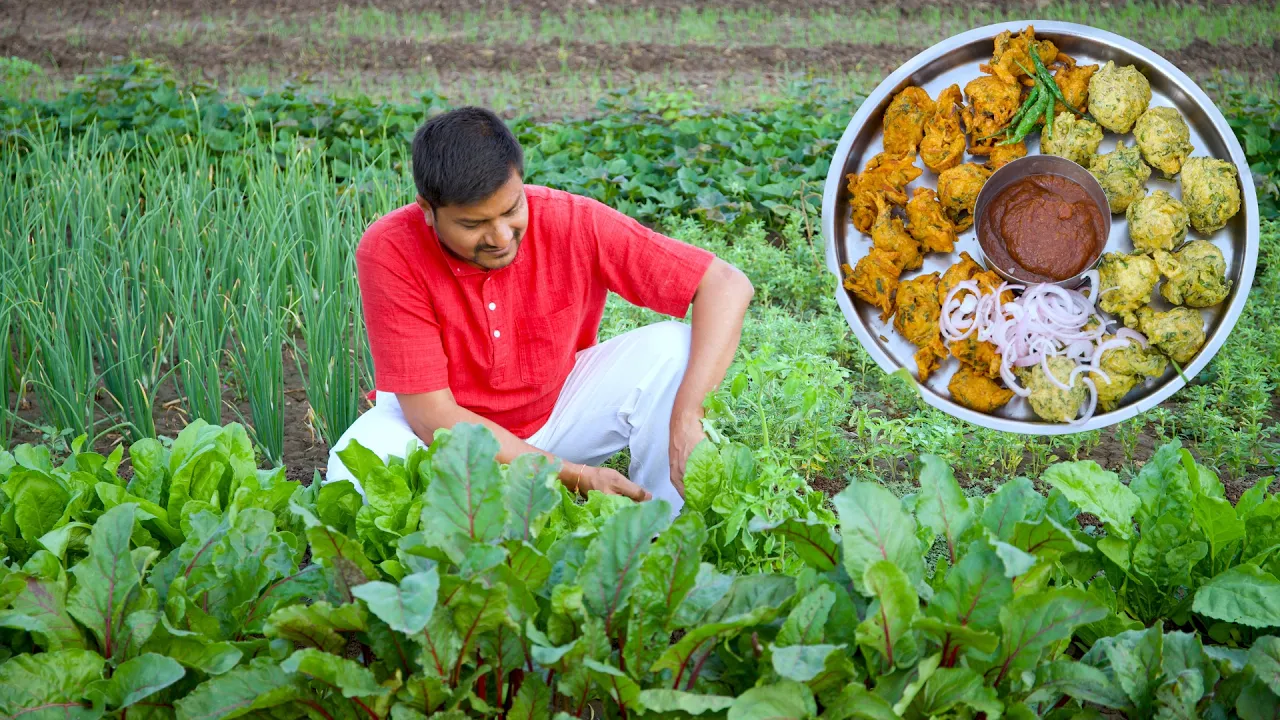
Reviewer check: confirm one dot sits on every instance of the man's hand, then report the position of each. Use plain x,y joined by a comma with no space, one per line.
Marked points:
610,482
686,433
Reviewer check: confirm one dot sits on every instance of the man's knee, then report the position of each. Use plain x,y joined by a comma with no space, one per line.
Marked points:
670,341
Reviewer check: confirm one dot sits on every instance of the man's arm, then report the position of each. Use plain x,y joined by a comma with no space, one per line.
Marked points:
719,306
428,412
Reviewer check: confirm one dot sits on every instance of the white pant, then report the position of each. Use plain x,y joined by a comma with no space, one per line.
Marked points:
619,394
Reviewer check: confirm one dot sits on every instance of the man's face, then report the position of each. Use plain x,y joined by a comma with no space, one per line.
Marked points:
488,233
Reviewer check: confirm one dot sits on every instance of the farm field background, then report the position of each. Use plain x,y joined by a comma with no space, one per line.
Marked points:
714,123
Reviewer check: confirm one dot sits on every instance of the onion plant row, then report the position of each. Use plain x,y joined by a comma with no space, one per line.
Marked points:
171,279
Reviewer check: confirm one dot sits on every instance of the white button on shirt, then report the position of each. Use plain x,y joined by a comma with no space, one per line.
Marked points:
493,306
497,334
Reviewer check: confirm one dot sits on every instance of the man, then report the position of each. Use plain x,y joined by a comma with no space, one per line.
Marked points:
483,300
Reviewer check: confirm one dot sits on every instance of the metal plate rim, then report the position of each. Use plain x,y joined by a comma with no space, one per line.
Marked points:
939,50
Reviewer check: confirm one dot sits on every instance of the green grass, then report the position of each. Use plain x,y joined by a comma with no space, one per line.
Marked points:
1162,25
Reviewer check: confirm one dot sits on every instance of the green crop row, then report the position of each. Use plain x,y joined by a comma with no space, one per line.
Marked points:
203,588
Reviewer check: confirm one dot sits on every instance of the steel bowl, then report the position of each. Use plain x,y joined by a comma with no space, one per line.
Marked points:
956,60
1040,165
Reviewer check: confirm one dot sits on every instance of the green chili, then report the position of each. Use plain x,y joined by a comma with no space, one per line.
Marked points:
1047,80
1030,119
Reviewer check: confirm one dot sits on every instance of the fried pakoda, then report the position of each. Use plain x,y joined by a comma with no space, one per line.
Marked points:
1125,284
1178,333
874,280
1073,81
980,355
904,120
888,233
927,223
958,190
1073,138
1118,96
977,392
885,175
1164,139
1047,399
943,145
1157,222
1012,56
1122,175
917,321
1211,192
988,282
1132,359
1197,275
992,103
1002,155
1125,368
965,269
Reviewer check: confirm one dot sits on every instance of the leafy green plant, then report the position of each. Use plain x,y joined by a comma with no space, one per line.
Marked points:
1175,549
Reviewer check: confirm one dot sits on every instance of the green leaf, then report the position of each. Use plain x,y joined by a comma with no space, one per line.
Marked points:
611,568
1177,699
1135,657
951,687
887,627
107,581
1162,485
941,504
532,492
1221,526
974,590
855,702
1245,594
406,608
787,700
1098,491
1264,661
138,678
667,574
1013,502
38,502
318,625
805,624
802,663
677,701
259,685
813,540
533,702
40,609
875,528
336,551
1184,651
1077,680
348,676
465,503
1031,623
49,685
1046,539
199,654
623,690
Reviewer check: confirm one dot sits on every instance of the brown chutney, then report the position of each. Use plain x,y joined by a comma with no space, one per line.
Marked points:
1042,228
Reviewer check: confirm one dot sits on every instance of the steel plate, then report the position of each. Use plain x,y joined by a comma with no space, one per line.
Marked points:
956,60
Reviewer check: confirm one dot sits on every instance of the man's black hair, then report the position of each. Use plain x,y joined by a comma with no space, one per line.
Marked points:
463,156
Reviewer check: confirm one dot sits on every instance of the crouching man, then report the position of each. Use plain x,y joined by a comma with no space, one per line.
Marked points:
483,300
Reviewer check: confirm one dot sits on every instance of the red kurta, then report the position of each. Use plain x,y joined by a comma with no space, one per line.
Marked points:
504,340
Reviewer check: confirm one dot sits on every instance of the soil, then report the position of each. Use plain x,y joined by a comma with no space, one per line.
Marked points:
42,32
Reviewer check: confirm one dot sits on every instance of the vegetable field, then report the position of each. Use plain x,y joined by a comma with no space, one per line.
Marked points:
181,338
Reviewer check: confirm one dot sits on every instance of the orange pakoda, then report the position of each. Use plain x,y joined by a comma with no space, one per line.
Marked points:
1002,155
1012,56
885,175
1073,81
988,282
980,355
943,145
966,269
874,280
992,103
889,234
917,321
927,223
958,190
904,120
977,392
